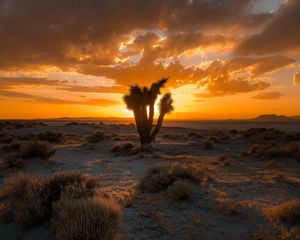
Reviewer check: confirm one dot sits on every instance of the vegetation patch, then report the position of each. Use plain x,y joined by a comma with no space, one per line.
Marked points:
97,136
125,148
180,190
85,219
160,178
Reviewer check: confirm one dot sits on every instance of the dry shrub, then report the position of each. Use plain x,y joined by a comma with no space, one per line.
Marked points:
27,200
180,190
97,137
292,137
259,150
264,134
50,136
291,149
33,149
287,213
194,135
7,138
234,131
57,183
160,178
32,197
86,219
208,145
125,148
14,160
285,218
118,137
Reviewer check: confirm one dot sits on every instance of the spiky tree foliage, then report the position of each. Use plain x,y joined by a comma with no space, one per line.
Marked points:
141,100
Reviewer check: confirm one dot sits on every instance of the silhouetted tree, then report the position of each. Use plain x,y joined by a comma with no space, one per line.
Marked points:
141,100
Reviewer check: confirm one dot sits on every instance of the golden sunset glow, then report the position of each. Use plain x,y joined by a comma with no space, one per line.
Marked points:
227,63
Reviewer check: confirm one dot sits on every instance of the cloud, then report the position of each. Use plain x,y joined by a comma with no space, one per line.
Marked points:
225,85
268,95
260,65
48,100
67,35
8,82
296,79
283,33
93,89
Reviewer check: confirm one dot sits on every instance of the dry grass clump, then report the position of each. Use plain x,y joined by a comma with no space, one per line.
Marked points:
32,197
291,149
85,185
257,134
97,136
19,151
287,213
125,148
160,178
119,137
20,124
180,190
85,219
33,149
285,218
194,135
234,131
13,160
208,145
50,136
26,198
7,138
292,137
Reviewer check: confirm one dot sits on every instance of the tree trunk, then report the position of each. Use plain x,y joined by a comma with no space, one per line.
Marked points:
158,126
137,117
145,124
150,119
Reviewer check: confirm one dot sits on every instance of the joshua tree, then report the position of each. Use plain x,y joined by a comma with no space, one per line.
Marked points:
141,100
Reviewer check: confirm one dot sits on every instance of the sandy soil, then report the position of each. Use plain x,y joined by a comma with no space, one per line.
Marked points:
228,205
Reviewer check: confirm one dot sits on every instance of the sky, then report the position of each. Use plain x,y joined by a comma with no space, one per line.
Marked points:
224,58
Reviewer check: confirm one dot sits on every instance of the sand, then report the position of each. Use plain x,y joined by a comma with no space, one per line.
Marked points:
229,205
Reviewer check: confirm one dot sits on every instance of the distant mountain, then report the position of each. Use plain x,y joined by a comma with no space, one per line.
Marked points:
275,118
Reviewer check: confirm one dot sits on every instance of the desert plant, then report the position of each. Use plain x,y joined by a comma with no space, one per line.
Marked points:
287,212
126,148
180,190
141,101
97,137
32,149
160,178
50,136
86,219
27,200
57,183
32,197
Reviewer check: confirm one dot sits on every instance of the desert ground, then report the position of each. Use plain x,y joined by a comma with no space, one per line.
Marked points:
195,184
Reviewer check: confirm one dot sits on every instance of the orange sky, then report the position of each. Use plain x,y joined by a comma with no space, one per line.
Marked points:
76,60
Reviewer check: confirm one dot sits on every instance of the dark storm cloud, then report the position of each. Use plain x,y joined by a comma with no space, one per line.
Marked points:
283,33
59,32
268,95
